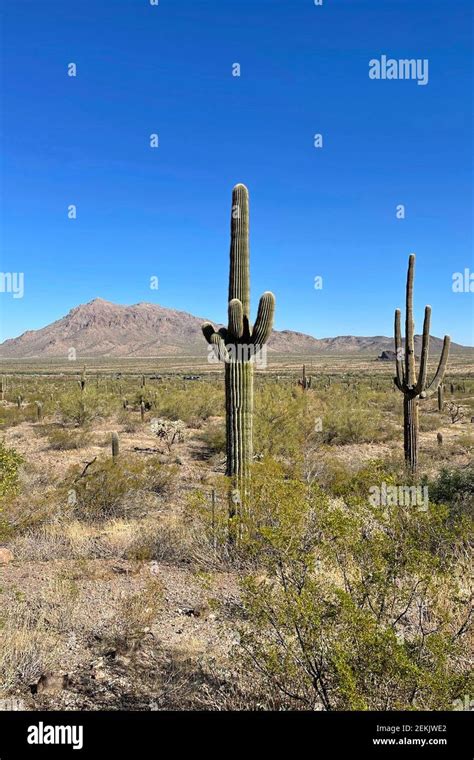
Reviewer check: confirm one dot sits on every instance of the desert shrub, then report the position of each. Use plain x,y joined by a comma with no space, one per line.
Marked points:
192,401
80,408
10,461
10,416
134,614
213,436
63,439
163,541
351,418
30,632
356,485
351,608
352,481
463,443
128,422
116,488
428,422
26,651
282,422
454,487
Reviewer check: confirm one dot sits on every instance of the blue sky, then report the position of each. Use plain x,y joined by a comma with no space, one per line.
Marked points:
164,212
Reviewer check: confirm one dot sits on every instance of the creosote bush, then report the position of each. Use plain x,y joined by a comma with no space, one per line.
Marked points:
63,439
10,461
454,488
359,608
115,487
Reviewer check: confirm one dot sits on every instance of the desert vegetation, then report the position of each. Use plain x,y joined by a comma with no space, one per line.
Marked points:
121,589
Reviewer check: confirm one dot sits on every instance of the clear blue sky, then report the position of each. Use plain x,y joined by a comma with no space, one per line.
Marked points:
165,212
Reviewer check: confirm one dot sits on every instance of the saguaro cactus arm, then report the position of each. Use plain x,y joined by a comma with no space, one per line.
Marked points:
443,361
410,376
263,326
236,319
425,347
400,376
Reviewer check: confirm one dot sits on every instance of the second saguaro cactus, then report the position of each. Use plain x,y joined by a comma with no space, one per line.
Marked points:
413,387
239,344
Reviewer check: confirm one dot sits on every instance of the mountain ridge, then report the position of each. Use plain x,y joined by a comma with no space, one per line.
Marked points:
142,330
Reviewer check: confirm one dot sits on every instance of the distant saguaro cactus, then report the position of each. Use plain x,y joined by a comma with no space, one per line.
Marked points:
304,381
414,388
142,410
115,445
39,411
239,343
19,399
3,386
82,381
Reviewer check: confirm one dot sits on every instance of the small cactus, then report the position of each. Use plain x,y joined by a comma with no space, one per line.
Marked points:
19,399
115,445
440,398
439,438
143,381
3,386
82,381
39,411
142,410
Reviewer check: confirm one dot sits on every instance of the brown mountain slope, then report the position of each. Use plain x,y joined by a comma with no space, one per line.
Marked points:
101,328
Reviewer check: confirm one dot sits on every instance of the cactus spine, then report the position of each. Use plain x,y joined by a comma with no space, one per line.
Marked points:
413,387
238,344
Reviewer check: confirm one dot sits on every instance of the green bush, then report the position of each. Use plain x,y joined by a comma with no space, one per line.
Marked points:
10,461
61,439
80,408
359,608
351,417
115,487
282,422
196,401
213,436
454,487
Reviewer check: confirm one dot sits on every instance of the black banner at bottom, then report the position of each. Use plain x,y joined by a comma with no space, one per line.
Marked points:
117,734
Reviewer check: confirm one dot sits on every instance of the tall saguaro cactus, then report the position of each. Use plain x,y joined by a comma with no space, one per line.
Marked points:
414,388
238,344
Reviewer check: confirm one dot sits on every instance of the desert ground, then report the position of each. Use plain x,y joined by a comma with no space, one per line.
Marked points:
119,588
